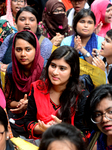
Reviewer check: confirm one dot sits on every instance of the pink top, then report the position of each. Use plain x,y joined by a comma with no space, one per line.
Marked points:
2,99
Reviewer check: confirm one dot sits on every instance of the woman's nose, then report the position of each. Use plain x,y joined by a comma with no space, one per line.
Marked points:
23,53
56,71
104,118
85,24
27,21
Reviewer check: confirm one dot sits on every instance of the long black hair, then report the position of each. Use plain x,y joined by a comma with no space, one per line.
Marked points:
68,96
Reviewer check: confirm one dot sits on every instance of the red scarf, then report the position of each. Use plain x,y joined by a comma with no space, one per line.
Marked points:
22,82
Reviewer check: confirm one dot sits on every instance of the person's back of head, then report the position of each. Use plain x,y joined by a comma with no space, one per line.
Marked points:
61,136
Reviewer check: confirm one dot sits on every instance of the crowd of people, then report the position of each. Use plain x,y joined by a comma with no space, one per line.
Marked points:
45,98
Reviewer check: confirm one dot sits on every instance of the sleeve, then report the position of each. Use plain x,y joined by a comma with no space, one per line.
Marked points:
46,48
4,47
66,41
9,93
78,120
30,119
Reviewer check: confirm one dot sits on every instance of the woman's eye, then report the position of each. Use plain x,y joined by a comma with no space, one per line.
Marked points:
97,115
107,40
90,22
28,49
62,68
22,19
18,49
32,19
107,11
82,21
109,111
53,66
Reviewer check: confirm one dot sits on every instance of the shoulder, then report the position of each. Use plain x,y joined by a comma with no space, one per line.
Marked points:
68,11
99,38
86,6
47,41
46,48
39,87
67,40
9,71
3,17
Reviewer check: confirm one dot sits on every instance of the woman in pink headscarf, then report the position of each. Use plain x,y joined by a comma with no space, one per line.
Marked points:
12,7
102,10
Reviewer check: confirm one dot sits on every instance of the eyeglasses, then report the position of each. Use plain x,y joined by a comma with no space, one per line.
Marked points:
97,116
1,135
21,1
56,11
79,1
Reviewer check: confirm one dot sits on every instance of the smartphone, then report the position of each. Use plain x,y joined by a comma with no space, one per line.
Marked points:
96,53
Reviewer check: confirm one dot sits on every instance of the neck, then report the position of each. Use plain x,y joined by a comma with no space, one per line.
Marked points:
84,40
58,88
14,15
109,60
26,71
55,93
109,140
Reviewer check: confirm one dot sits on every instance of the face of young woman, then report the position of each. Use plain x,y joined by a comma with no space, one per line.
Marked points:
16,5
61,145
59,72
85,26
27,21
25,53
105,125
3,137
78,4
108,15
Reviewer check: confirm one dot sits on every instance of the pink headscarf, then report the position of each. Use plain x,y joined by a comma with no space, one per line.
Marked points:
21,81
9,16
99,8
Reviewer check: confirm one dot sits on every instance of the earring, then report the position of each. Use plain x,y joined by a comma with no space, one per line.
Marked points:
7,137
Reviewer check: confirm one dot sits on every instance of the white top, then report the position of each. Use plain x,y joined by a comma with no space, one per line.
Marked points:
71,14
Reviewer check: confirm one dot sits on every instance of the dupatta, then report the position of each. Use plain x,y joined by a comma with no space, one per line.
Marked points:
21,81
99,8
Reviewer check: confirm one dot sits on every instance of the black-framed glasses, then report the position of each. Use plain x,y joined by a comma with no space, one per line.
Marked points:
79,1
1,135
97,115
59,11
21,1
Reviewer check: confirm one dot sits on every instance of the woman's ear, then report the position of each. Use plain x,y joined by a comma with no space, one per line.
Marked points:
7,135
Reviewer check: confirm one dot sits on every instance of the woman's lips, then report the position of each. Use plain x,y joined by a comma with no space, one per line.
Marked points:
55,78
23,60
107,127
